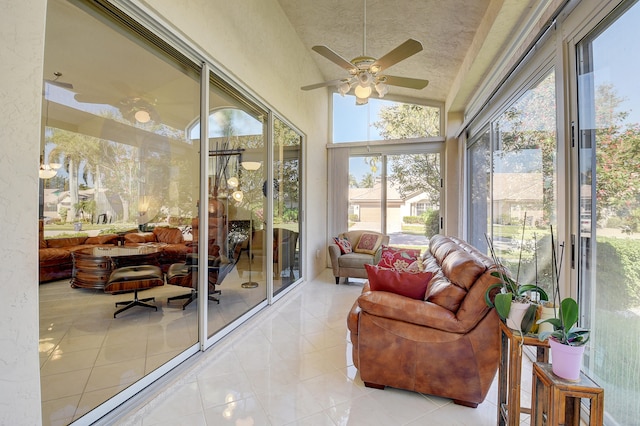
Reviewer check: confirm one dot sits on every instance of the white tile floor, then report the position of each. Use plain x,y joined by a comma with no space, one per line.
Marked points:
291,365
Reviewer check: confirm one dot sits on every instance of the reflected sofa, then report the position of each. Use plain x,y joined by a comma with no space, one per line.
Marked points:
54,255
55,260
445,345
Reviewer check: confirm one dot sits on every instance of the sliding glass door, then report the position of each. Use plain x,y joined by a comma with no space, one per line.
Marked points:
120,176
608,217
512,181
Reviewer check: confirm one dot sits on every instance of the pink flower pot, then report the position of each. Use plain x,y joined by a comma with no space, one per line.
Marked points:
566,361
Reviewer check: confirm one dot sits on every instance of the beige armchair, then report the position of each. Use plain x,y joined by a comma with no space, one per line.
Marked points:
352,264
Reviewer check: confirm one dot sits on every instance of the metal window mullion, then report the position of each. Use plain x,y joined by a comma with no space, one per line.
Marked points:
203,210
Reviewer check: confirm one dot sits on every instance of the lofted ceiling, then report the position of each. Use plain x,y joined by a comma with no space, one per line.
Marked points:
466,43
463,40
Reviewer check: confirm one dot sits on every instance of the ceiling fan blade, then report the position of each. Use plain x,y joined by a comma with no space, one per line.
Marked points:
62,84
95,99
411,83
402,52
324,84
334,57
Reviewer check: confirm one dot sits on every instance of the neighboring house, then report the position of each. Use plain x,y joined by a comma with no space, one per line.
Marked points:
515,194
364,203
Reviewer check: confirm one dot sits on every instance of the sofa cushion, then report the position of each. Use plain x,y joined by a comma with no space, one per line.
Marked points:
53,256
413,285
444,293
355,260
168,235
462,268
368,243
65,242
102,239
139,238
400,259
343,244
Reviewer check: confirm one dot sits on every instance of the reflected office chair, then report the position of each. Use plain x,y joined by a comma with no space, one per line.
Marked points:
185,274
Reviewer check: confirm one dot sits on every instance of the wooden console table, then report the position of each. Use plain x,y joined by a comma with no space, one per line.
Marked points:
93,266
510,373
556,401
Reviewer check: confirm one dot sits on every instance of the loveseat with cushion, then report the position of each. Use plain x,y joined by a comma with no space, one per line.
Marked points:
444,341
350,262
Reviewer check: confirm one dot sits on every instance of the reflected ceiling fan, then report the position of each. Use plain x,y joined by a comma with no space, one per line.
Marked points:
134,107
365,72
55,82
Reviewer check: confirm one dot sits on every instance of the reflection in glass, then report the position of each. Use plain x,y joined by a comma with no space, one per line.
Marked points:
128,177
286,192
524,182
609,210
479,181
236,204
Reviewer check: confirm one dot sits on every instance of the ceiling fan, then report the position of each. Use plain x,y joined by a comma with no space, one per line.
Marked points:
55,82
134,107
365,72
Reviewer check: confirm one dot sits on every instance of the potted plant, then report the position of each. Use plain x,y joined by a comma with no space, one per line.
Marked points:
567,340
512,300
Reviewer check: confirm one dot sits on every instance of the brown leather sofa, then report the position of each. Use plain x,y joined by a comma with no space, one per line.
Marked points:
54,255
56,263
174,248
445,345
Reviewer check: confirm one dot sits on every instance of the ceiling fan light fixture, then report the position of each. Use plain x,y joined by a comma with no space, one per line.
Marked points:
344,88
361,101
233,182
251,165
46,172
237,195
362,91
365,78
142,116
382,89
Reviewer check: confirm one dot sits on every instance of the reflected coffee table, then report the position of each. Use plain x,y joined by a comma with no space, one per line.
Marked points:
93,266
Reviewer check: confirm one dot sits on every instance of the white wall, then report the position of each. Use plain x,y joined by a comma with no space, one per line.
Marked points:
21,57
253,41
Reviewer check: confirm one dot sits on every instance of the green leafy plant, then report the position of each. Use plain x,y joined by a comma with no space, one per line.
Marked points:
565,329
501,295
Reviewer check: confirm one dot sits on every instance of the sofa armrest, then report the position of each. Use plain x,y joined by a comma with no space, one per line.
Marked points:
334,254
400,308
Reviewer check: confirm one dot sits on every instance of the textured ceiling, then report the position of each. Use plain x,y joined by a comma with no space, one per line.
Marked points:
462,39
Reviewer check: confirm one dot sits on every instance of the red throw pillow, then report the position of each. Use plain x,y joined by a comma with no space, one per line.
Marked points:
403,283
344,244
397,258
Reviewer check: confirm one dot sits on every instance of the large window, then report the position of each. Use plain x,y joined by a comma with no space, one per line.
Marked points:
127,163
397,189
515,183
608,216
369,122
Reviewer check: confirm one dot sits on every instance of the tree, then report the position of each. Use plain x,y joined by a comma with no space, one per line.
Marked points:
416,173
353,182
76,149
405,121
367,181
